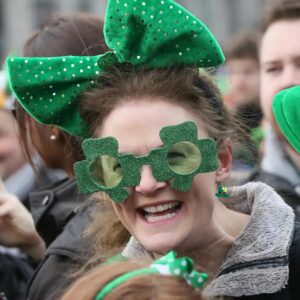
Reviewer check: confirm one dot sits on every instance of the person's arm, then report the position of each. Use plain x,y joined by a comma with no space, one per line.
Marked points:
17,227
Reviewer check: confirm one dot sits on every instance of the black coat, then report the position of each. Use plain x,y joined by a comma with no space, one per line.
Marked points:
54,207
15,272
61,216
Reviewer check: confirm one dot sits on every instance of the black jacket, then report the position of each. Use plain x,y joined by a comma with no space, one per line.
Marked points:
292,290
54,207
290,193
14,274
61,216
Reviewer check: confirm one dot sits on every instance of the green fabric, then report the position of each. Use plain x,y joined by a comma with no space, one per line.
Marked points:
167,265
286,109
128,166
156,33
48,88
146,33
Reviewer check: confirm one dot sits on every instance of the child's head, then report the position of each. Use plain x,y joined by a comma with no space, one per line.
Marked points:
131,280
279,61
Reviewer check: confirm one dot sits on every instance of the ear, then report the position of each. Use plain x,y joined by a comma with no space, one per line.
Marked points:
225,160
56,132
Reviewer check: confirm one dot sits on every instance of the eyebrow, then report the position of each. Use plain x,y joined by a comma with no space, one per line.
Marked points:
270,62
278,60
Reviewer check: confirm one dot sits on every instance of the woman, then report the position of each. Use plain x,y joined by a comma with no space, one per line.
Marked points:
59,212
236,240
138,100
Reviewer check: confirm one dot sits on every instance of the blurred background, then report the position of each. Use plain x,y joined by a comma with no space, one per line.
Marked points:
18,18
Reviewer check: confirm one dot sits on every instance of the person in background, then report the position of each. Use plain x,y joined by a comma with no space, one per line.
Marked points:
242,98
279,69
59,211
242,66
18,176
17,230
166,278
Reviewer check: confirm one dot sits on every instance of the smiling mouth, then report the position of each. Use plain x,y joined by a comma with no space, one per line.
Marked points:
157,213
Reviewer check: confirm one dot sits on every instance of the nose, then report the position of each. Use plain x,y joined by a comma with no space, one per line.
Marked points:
148,184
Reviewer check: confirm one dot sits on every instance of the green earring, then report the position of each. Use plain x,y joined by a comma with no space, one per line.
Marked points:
222,191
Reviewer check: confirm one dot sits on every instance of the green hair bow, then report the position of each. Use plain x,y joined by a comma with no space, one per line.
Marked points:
147,33
167,265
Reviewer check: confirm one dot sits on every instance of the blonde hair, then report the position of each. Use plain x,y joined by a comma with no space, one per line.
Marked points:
142,287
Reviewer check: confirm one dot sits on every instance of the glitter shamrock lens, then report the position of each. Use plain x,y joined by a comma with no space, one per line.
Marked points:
106,171
184,158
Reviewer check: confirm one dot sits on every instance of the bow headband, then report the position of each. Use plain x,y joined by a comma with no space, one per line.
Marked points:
146,33
167,265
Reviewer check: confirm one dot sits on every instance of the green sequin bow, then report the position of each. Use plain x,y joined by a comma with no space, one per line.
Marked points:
167,265
180,159
147,33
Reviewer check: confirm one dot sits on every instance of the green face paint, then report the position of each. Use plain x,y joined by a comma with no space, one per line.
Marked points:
180,159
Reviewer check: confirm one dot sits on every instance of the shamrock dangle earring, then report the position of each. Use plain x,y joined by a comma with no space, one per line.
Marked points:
222,191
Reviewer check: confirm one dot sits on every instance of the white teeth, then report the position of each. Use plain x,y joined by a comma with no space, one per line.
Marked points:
160,208
152,219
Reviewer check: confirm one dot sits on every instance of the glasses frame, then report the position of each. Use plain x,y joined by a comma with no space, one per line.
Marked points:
156,158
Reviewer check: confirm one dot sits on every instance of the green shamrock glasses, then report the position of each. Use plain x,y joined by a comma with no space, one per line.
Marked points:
180,159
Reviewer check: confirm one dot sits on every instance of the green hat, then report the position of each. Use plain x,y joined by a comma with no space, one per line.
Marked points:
144,33
286,109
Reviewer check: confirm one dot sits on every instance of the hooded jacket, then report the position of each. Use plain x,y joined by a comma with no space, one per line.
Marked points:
264,261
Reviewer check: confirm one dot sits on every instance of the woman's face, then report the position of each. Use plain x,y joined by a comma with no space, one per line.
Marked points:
158,216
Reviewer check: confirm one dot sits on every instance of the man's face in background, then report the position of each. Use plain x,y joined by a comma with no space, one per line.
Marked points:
279,69
279,62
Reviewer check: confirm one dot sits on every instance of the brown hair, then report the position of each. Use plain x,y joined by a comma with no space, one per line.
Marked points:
76,34
242,46
179,85
281,10
107,234
146,287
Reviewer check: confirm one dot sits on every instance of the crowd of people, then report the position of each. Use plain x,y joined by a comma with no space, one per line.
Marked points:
127,174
